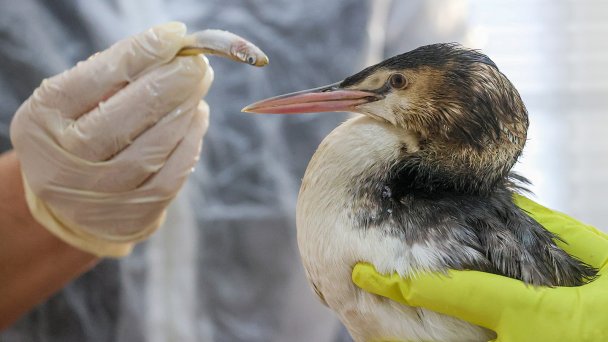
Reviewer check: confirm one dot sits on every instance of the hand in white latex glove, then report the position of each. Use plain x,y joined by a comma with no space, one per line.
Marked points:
105,146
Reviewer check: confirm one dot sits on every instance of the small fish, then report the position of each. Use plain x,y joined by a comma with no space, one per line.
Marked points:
225,44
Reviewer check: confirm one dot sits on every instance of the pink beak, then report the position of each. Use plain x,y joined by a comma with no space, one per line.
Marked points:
330,98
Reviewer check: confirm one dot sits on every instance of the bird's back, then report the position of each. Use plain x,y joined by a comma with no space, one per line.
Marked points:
485,232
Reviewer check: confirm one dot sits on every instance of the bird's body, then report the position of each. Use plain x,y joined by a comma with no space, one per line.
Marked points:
420,183
332,239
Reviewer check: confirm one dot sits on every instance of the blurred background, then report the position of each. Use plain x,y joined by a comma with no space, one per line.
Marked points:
225,266
556,54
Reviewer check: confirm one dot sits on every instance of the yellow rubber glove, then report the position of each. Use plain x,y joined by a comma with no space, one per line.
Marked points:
105,146
516,312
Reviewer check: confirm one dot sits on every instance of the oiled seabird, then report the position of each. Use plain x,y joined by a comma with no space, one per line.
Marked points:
419,182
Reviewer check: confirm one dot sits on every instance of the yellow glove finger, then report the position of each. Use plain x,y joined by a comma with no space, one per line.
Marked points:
474,296
506,305
583,241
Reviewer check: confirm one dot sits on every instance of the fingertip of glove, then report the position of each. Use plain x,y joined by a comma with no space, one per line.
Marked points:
164,40
169,30
364,275
202,115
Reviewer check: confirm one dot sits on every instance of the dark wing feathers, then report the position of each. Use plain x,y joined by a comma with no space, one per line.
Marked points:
505,239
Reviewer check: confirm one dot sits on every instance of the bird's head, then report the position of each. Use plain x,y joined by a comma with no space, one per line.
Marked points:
466,115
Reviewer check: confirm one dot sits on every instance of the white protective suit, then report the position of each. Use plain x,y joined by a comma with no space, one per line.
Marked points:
225,266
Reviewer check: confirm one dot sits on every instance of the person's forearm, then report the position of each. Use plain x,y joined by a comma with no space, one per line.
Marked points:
33,263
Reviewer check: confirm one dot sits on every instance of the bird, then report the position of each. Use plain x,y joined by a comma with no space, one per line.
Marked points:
419,180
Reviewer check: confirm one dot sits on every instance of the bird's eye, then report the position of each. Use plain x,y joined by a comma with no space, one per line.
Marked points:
251,60
398,81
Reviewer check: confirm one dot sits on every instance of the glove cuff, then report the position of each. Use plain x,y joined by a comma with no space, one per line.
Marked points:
73,235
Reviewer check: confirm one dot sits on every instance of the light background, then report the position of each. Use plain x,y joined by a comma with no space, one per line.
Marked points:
556,54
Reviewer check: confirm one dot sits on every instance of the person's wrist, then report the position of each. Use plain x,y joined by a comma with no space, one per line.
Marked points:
16,213
13,206
33,262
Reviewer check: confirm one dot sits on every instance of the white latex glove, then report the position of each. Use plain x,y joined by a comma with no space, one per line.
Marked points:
105,146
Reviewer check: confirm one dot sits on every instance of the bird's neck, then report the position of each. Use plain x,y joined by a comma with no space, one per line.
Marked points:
444,166
368,158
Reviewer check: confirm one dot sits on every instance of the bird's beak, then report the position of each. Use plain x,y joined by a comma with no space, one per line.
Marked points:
330,98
